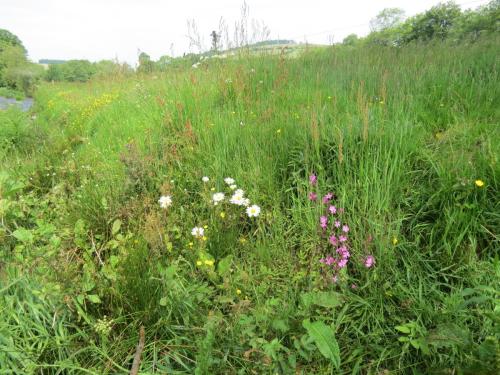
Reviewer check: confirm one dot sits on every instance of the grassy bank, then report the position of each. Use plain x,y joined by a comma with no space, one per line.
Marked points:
406,139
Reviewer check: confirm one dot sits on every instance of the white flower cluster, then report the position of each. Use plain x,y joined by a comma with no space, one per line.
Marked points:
165,201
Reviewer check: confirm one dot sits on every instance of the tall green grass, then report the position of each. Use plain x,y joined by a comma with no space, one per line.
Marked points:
400,136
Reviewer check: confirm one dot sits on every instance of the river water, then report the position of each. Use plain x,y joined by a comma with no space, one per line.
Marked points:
24,104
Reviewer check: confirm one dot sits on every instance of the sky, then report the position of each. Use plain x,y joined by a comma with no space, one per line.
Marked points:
121,29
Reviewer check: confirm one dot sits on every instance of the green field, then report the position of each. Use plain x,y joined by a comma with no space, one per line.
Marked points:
407,140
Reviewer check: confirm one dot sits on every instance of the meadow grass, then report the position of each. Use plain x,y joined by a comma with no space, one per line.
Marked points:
401,136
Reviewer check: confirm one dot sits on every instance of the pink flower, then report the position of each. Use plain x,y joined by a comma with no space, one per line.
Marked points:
343,263
345,228
323,222
328,197
369,261
335,279
333,240
313,196
329,260
354,286
313,179
332,210
342,238
337,224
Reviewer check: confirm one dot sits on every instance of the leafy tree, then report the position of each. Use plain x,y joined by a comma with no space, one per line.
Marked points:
434,23
146,65
350,40
9,39
387,18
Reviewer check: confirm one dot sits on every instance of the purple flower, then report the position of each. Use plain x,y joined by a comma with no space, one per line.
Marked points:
345,228
329,260
369,261
332,210
337,224
313,179
342,238
343,263
333,240
328,197
323,222
313,196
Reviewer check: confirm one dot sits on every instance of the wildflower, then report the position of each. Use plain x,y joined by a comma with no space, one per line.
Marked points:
246,202
232,187
209,263
229,181
212,189
313,196
342,263
204,238
165,201
205,226
198,232
217,197
328,197
205,179
332,210
278,131
354,286
323,222
337,224
394,241
335,278
333,240
243,240
239,191
199,263
369,261
223,214
342,238
237,199
190,244
479,183
313,179
238,291
345,228
253,211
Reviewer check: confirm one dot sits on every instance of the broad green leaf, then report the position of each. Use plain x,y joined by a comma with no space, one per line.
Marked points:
324,338
94,298
116,227
403,329
163,301
23,235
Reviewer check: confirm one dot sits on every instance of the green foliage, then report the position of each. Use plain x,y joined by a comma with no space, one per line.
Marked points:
87,255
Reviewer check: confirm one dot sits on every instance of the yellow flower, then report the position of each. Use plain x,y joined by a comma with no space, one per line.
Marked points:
190,244
205,226
243,240
212,189
381,102
209,262
199,263
394,241
479,183
238,292
278,131
223,214
204,238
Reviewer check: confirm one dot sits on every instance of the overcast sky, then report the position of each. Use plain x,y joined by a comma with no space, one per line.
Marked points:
109,29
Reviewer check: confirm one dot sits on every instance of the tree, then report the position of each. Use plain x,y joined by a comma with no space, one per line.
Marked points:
387,18
145,63
9,39
350,40
435,23
215,40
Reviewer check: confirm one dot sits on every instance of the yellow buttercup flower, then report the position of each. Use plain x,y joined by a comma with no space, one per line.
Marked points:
199,263
209,262
238,291
204,238
278,131
223,214
394,241
479,183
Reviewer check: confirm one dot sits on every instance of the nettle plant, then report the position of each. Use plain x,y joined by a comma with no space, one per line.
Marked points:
334,235
229,209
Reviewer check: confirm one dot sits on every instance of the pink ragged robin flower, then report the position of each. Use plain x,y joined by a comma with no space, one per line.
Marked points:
332,210
313,179
345,228
333,240
337,224
323,222
342,238
313,196
327,198
369,261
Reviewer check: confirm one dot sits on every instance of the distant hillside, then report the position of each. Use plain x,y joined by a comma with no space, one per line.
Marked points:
51,61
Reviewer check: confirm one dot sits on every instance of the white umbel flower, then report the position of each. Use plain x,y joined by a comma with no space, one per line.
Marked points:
217,197
232,187
253,211
198,232
229,180
205,179
165,201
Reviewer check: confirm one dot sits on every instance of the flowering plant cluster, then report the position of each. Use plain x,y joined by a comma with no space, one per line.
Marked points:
334,233
231,201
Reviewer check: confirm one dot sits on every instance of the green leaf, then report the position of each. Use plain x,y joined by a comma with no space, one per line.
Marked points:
23,235
163,301
224,265
323,299
94,298
116,227
403,329
325,341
